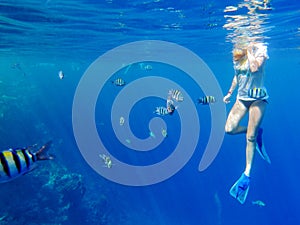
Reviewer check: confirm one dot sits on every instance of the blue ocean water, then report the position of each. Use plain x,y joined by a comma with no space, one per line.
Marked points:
41,38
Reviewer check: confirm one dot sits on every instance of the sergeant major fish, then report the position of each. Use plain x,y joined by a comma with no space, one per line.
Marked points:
119,82
16,162
206,100
257,93
170,106
176,95
161,111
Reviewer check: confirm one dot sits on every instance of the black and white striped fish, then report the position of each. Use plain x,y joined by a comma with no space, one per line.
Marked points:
206,100
119,82
176,95
161,110
257,93
16,162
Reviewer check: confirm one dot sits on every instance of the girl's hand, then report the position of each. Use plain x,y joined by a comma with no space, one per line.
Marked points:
226,99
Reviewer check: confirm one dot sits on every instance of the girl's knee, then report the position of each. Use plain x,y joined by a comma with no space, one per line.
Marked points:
251,134
251,138
229,129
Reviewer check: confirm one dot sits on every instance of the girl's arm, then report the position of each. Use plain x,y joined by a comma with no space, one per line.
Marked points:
226,99
255,62
233,84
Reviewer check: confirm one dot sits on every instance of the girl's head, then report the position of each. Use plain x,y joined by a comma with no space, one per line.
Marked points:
238,53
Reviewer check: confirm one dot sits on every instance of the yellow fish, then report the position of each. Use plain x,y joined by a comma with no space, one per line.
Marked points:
16,162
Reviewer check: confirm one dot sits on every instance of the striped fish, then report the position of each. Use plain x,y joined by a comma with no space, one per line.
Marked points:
206,100
16,162
176,95
119,82
107,160
257,93
170,106
161,111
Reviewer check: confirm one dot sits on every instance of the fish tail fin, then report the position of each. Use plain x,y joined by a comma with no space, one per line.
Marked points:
42,153
199,100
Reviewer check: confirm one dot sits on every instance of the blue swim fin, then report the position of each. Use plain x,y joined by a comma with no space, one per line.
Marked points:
260,148
240,188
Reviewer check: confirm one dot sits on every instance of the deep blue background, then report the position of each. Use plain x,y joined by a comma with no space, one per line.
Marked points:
51,36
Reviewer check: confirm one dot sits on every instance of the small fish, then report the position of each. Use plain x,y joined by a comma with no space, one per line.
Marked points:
176,95
171,109
170,106
164,132
258,203
206,100
107,160
152,134
122,121
16,162
161,110
18,67
146,67
119,82
128,141
61,75
257,93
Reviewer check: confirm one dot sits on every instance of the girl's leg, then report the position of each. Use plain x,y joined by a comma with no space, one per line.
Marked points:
256,114
236,114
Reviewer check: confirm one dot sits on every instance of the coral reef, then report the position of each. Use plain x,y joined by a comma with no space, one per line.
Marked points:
51,195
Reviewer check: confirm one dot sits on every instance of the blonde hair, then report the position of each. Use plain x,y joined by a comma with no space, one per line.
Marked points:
239,52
